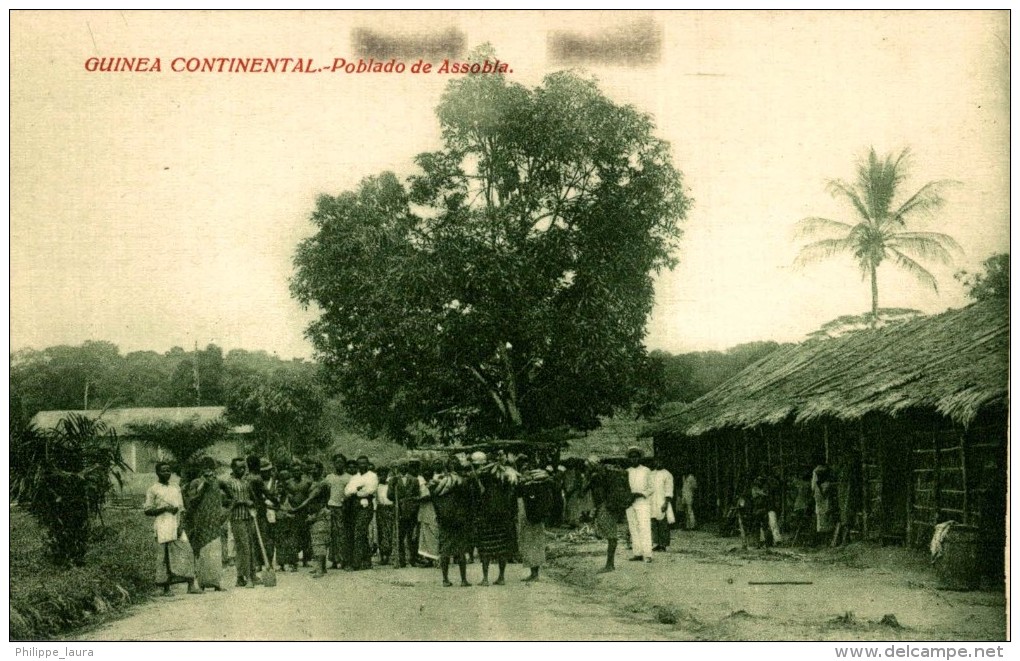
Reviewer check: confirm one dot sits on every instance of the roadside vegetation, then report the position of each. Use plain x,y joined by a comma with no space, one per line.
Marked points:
49,601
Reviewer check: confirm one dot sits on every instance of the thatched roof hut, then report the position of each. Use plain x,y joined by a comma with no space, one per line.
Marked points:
912,417
955,363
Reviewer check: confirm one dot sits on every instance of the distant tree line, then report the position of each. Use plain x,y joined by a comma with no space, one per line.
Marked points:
687,376
282,399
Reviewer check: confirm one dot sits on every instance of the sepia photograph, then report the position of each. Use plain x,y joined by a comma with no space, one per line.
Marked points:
510,326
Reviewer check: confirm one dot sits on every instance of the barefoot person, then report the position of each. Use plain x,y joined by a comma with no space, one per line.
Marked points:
533,509
428,528
318,516
453,499
661,504
360,491
240,503
610,492
339,551
639,515
496,515
385,515
203,519
175,561
406,497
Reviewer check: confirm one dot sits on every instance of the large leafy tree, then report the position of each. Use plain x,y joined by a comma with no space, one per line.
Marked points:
505,287
989,284
880,232
283,401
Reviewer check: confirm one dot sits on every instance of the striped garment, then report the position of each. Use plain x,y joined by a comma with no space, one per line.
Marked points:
240,496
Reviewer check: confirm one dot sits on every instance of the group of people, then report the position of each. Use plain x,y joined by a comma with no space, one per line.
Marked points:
420,513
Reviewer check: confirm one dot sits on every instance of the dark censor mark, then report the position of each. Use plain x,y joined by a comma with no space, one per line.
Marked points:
341,65
428,46
635,44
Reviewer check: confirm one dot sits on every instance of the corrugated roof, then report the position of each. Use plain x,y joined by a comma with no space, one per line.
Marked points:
956,363
122,419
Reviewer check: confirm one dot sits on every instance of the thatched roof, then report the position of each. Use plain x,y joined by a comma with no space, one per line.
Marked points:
122,419
956,363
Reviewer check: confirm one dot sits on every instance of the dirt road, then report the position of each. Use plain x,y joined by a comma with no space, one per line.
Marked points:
381,604
705,586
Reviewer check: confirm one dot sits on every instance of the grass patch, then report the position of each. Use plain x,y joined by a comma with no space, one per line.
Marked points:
47,601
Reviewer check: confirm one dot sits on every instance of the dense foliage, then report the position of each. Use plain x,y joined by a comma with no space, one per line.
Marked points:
687,376
504,288
183,441
95,376
284,403
50,601
62,477
992,283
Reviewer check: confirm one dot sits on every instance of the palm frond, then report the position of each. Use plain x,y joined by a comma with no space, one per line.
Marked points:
928,198
944,240
877,179
923,247
914,269
815,225
839,188
819,250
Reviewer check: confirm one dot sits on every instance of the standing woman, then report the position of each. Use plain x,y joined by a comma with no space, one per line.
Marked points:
534,505
204,517
428,528
496,514
453,497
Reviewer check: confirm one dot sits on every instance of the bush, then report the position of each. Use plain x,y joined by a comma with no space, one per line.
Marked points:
62,476
48,601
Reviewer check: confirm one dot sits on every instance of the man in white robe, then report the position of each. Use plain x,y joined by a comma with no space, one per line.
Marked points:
661,505
639,516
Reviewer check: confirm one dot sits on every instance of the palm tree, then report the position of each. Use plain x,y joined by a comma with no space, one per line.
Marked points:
881,231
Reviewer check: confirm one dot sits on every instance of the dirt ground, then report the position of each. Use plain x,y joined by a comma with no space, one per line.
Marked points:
698,590
382,604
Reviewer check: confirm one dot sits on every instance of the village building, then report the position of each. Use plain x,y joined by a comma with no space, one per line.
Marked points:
912,418
140,457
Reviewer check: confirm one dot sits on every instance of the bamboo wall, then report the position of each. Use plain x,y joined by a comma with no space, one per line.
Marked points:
901,475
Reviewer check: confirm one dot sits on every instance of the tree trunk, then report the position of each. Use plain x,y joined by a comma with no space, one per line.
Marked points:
511,379
874,296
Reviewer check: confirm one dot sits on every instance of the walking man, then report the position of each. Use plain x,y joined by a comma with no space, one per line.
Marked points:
639,516
610,492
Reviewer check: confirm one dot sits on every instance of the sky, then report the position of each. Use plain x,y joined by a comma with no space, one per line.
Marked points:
163,209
